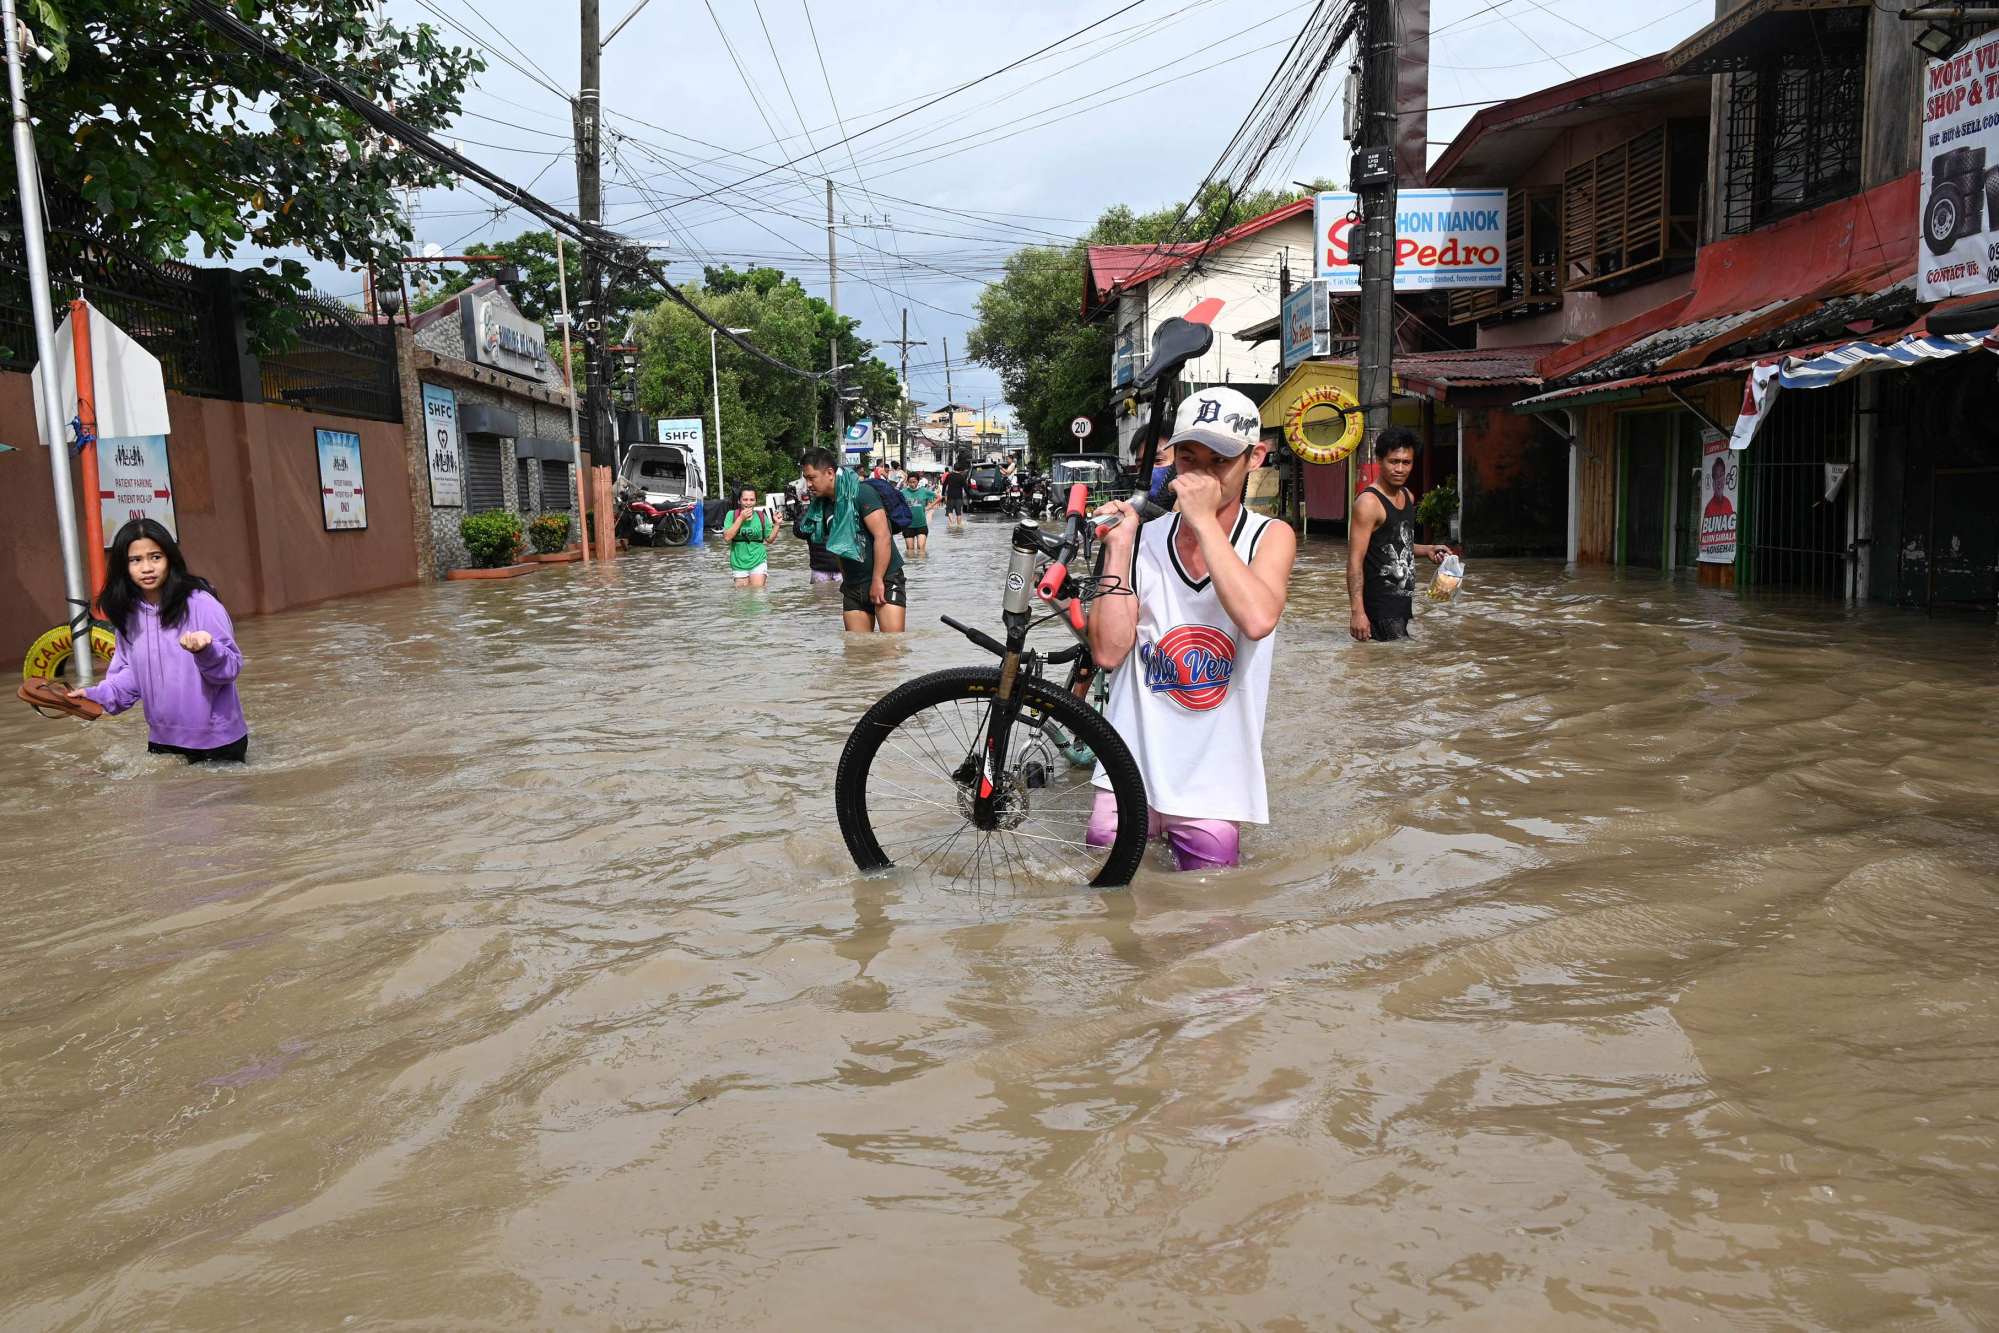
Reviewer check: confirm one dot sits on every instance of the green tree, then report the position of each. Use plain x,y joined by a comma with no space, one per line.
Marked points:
1053,365
539,291
173,136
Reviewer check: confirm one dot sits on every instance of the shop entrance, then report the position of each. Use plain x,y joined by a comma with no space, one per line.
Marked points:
1658,495
1796,516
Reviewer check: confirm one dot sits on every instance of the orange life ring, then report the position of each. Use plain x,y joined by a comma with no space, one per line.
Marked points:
1324,395
50,653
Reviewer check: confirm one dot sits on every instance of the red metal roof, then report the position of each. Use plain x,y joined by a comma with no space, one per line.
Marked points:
1111,267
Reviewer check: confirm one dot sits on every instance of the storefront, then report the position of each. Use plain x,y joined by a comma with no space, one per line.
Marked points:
489,421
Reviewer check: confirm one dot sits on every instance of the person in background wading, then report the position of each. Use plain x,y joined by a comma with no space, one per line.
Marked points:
748,534
1381,543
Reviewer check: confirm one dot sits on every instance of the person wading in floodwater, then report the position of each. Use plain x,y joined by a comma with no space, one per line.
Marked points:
1382,546
1190,653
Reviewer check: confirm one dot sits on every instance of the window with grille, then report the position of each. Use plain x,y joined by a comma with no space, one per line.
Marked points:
555,487
1793,127
1632,214
485,476
1533,261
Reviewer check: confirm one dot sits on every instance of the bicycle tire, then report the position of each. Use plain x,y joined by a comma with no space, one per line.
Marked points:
977,686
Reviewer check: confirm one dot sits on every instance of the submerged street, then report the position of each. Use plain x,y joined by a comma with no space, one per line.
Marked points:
1619,954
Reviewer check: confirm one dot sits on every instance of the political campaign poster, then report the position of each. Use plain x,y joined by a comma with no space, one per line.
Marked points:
134,481
1719,473
343,497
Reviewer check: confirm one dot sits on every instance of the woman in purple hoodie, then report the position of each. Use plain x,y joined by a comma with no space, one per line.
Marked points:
176,649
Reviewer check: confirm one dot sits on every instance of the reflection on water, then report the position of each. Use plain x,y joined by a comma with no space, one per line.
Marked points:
1618,954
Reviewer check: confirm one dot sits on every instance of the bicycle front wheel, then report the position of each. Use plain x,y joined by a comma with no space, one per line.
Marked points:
910,771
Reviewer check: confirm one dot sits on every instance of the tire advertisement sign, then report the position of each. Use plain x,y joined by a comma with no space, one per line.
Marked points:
440,444
1719,473
1960,173
133,482
1444,240
341,493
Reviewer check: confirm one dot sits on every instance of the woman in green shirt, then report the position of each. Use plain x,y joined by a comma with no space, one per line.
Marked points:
748,534
922,500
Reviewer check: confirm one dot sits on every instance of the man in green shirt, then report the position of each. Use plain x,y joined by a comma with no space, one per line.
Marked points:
916,490
872,590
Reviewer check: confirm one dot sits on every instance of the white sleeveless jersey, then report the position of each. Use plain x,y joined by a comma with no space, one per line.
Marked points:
1190,698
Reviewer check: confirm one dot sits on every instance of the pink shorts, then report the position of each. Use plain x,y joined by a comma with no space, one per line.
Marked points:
1198,844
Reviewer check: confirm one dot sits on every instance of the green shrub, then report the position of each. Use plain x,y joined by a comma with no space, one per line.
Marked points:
1436,509
491,538
549,533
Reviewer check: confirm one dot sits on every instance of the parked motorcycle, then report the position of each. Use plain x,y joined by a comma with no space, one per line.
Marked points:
640,521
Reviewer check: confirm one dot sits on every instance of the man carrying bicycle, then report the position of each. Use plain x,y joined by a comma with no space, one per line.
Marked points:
1191,650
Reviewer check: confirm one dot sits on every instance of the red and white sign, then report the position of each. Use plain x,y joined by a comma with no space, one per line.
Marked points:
133,482
1444,239
1718,499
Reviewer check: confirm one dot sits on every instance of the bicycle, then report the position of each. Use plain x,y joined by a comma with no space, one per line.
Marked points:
995,736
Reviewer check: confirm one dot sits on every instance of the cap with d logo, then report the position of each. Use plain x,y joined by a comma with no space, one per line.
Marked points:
1223,419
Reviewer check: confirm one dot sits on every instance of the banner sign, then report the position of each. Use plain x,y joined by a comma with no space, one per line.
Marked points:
1305,327
861,435
341,493
681,430
1444,239
1719,474
133,482
440,439
1960,144
1124,360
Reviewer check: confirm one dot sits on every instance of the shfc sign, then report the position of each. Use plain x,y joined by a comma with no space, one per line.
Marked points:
1443,239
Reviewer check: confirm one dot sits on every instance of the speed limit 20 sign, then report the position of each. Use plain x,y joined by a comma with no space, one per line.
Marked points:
1080,427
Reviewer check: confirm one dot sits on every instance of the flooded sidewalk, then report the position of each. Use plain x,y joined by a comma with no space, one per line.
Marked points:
1619,954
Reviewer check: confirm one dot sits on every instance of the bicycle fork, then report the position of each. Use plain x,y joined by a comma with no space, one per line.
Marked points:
1017,606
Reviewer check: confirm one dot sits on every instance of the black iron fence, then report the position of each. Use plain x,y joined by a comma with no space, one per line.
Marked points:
196,321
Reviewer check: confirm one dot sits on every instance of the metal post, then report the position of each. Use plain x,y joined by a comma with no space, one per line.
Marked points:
833,299
1377,272
86,433
950,403
27,184
715,378
583,480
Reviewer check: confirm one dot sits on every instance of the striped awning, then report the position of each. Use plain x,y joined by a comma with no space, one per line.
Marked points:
1826,368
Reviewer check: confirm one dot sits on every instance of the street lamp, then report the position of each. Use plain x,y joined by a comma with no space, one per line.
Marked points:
715,376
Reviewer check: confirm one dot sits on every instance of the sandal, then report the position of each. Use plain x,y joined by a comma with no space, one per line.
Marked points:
45,695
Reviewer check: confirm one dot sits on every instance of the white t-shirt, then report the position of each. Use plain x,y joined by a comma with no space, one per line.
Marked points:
1190,698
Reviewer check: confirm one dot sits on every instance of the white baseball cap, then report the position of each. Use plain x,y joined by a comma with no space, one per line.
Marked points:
1223,419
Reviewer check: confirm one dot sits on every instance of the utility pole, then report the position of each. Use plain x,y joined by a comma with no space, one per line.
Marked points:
589,207
833,299
950,403
905,344
1374,179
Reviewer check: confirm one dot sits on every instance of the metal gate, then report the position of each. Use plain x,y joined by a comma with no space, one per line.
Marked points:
1796,538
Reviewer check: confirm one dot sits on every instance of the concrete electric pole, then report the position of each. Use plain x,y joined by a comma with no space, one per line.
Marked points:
833,299
905,344
1373,178
589,207
950,403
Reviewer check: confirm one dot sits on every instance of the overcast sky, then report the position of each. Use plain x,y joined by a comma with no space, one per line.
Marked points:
928,207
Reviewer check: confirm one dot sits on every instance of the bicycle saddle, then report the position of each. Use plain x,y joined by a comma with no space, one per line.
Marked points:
1177,342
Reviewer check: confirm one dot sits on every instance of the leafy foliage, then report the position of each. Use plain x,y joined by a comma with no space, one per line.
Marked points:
539,291
173,135
491,538
768,417
1054,366
549,533
1439,505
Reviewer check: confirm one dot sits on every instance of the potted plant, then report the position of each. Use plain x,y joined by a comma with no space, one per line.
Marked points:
549,534
491,540
1438,510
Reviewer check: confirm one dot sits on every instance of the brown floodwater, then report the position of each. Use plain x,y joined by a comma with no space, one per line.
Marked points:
1618,954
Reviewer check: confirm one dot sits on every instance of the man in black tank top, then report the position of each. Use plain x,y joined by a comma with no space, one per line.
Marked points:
1381,543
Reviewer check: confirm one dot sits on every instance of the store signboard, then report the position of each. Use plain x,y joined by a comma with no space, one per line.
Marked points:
1959,253
342,495
1305,324
1444,240
133,481
681,430
440,437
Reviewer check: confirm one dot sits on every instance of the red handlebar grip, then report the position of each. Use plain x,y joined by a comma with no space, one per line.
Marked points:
1076,614
1079,498
1051,583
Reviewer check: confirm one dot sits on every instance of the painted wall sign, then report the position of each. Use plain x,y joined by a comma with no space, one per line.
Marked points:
440,444
341,492
134,481
1444,239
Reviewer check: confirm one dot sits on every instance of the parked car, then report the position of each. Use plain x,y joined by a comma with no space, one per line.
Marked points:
986,487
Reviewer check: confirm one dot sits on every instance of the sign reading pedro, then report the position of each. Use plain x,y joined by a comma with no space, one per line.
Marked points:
1960,180
1443,239
499,336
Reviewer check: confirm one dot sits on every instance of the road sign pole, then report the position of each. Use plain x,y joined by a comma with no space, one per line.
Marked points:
86,432
28,187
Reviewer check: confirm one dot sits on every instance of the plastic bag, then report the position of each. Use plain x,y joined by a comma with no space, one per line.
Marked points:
1450,577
